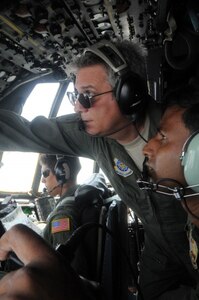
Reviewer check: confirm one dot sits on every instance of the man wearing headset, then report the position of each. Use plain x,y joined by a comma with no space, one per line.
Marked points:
73,209
60,179
172,164
115,117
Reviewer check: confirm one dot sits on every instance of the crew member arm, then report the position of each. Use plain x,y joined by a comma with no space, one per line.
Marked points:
41,135
45,275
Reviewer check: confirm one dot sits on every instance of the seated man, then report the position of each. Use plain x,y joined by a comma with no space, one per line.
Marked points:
76,206
44,273
172,164
60,179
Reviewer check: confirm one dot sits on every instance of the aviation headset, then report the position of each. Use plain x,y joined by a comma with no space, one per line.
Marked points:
189,160
66,168
130,89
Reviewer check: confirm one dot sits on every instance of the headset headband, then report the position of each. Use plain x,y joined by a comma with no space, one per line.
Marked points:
110,54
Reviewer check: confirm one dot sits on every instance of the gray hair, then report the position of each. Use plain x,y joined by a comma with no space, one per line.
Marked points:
134,54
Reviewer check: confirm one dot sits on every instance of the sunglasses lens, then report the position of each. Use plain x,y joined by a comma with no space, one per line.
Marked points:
72,98
46,173
84,100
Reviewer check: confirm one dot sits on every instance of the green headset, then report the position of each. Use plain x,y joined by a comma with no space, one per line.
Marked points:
189,160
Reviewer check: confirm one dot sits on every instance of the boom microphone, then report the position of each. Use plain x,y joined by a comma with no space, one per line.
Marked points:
45,190
81,125
54,188
145,174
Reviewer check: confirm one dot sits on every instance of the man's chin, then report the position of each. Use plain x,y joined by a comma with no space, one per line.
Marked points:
92,131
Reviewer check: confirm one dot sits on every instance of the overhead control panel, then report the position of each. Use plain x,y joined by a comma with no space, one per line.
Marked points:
40,37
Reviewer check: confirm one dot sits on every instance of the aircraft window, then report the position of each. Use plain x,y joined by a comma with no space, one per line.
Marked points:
16,174
18,169
40,100
66,107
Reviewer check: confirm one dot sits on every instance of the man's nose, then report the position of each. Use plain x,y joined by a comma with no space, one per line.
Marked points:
147,150
79,107
150,148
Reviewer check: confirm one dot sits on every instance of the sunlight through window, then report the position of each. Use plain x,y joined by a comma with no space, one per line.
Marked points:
18,169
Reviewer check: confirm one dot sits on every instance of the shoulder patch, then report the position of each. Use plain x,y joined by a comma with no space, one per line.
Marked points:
121,169
60,225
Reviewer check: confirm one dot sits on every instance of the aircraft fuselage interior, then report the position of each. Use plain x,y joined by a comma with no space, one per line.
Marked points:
38,41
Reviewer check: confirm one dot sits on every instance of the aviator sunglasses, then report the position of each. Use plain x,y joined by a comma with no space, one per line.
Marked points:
85,99
46,173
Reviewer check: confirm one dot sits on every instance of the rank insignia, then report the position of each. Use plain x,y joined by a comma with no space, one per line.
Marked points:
121,169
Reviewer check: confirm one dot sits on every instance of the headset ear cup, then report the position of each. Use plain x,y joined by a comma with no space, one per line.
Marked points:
130,93
62,171
190,160
130,89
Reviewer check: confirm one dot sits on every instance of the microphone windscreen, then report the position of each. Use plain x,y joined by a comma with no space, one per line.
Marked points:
81,125
44,190
145,174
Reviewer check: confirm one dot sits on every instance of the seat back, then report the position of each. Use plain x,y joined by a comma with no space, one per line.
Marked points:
102,237
107,245
114,271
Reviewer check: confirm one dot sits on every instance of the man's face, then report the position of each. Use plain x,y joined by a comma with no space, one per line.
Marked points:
50,181
104,116
164,150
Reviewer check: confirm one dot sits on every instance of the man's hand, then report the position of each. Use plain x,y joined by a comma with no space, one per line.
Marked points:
44,274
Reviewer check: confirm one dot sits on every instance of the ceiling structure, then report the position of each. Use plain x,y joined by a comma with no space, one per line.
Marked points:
38,39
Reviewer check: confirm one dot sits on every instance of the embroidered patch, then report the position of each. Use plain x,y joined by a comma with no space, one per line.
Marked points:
121,169
60,225
193,250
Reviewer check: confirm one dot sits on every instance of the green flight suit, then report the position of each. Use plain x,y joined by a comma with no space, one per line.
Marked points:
165,263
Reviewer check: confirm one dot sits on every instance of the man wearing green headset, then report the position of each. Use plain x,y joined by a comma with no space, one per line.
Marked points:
172,162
